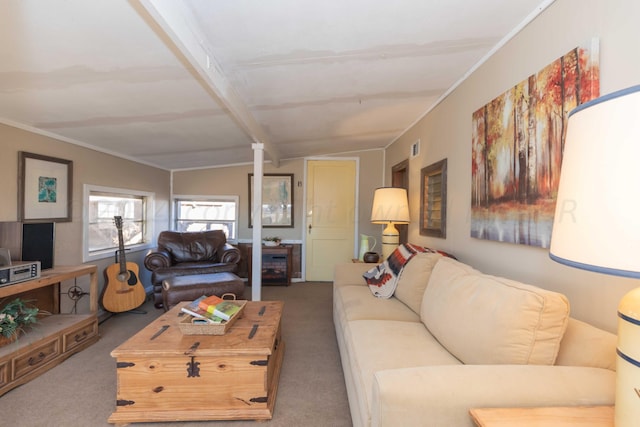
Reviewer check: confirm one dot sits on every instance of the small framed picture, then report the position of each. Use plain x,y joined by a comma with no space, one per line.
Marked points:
277,200
45,188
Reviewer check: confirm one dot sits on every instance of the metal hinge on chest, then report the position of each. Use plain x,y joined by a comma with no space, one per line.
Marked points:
125,364
193,368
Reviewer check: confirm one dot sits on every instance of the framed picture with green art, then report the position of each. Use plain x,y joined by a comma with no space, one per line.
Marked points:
44,188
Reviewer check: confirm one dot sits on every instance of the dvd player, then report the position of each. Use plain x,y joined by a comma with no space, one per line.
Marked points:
19,272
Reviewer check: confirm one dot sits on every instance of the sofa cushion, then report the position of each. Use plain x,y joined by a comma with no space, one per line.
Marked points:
193,246
378,345
483,319
586,345
356,303
350,273
414,278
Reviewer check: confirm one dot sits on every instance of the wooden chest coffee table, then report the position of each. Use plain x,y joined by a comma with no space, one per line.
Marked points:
163,375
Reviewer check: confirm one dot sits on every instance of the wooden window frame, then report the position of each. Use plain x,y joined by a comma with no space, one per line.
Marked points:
433,200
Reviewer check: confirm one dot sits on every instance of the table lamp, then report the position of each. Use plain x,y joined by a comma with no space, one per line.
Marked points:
390,206
597,219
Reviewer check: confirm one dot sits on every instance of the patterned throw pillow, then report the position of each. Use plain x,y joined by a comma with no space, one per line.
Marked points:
383,278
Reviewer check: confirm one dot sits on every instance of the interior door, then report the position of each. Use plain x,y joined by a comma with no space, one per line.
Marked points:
400,178
330,216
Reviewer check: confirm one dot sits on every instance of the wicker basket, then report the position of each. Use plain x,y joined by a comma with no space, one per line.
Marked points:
187,327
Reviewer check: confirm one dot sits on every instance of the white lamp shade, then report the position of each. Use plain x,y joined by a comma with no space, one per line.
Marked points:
597,219
390,205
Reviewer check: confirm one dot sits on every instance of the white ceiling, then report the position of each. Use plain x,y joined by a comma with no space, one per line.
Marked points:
192,83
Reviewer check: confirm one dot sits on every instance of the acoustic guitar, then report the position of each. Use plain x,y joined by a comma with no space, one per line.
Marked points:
122,290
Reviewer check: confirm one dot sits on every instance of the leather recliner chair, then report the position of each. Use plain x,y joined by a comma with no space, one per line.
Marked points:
189,253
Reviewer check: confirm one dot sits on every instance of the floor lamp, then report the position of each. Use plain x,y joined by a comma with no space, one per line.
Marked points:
390,206
597,219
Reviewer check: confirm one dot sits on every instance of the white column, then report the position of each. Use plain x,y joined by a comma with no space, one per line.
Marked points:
256,254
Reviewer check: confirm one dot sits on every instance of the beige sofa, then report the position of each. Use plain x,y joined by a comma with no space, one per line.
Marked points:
451,339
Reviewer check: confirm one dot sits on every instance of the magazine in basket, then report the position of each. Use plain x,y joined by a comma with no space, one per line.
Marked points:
192,325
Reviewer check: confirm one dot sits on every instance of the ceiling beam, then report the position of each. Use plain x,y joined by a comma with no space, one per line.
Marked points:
176,25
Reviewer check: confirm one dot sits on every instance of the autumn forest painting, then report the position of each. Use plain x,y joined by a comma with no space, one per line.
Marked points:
517,146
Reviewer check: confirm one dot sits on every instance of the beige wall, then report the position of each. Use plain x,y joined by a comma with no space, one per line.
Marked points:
96,168
89,167
233,180
446,132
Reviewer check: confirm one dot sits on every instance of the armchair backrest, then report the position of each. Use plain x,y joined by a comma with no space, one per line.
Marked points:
192,246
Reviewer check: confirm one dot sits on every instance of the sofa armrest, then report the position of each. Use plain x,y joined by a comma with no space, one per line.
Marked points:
230,254
157,259
443,395
350,273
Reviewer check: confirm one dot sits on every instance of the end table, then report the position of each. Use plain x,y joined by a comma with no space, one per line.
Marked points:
574,416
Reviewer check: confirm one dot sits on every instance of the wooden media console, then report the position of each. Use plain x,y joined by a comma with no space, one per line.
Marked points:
54,338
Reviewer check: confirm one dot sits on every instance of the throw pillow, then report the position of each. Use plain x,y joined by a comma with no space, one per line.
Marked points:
414,279
383,278
483,319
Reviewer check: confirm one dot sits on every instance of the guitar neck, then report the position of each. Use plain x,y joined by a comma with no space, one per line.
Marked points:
122,258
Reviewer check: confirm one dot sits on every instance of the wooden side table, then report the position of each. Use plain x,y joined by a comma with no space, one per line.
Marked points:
574,416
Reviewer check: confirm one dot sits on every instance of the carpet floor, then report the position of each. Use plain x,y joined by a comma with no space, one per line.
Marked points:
82,390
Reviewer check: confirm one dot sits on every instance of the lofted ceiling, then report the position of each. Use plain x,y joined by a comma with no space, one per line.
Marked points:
184,84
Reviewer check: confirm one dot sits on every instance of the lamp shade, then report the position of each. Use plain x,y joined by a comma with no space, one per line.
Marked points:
597,219
390,204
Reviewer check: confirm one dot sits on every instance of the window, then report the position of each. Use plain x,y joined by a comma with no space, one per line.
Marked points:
433,200
195,213
102,204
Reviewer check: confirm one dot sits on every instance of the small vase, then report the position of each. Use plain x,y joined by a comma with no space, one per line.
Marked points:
371,257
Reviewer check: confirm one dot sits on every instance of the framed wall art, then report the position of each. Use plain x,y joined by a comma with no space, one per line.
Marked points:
45,188
517,145
277,200
433,200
